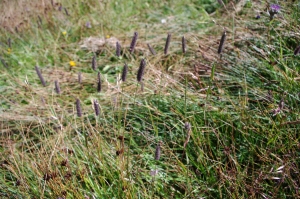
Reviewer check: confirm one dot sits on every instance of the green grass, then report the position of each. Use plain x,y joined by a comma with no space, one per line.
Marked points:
238,146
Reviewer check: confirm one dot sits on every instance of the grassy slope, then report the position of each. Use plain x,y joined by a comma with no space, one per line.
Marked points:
237,148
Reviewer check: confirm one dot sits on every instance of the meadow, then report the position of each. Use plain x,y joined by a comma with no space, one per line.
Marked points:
149,99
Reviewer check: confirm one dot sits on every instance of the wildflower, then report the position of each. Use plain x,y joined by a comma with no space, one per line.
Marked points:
9,51
88,24
72,63
274,9
107,36
163,21
64,33
257,16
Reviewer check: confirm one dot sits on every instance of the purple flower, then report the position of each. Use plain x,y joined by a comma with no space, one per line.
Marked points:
274,9
88,24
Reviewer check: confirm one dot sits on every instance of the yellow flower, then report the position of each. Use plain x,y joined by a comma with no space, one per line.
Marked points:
64,33
8,51
107,36
72,63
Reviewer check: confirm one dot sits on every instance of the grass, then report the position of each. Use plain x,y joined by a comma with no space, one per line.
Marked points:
197,125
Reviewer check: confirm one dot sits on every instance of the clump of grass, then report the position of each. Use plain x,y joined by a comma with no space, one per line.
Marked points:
38,72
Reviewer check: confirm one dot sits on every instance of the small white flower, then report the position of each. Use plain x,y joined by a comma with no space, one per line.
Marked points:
163,21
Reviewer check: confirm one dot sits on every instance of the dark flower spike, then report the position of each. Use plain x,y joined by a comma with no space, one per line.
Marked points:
57,88
99,83
3,62
40,75
151,49
94,62
40,20
9,42
79,78
183,41
157,151
222,41
141,70
297,50
118,49
78,108
133,42
167,43
66,11
124,72
96,107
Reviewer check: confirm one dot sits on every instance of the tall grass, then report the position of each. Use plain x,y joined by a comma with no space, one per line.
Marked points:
201,127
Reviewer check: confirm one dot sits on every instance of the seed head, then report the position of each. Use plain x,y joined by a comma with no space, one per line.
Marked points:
3,62
94,62
124,72
157,151
96,107
99,83
297,50
133,42
78,108
183,41
79,78
151,49
167,43
222,41
118,49
40,75
57,88
141,70
66,11
9,42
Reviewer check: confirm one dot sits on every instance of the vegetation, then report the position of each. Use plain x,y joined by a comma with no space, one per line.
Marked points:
88,111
